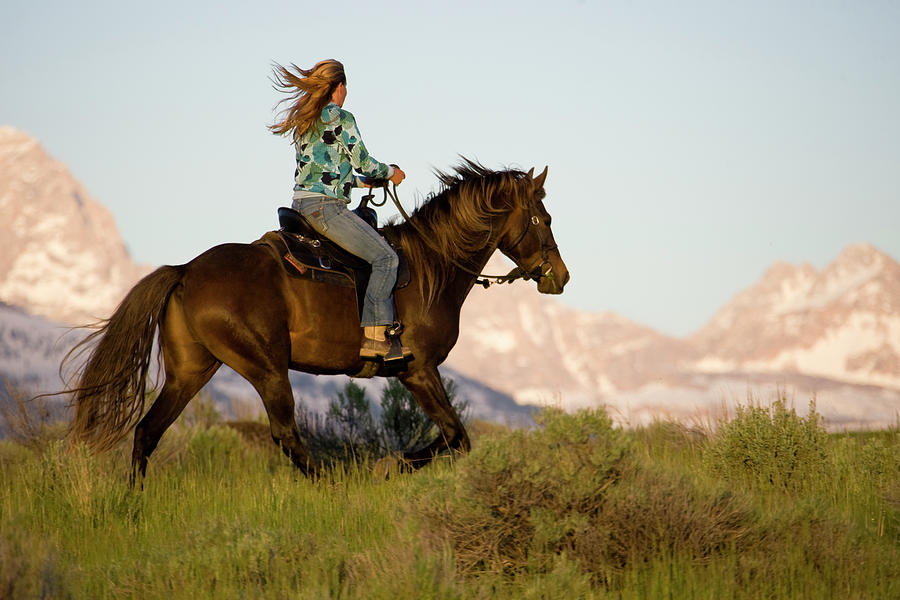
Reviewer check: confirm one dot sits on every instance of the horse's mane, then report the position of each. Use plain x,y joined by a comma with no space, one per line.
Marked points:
457,220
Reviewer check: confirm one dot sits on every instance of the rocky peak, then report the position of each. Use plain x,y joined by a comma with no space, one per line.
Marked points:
861,277
62,256
857,257
841,322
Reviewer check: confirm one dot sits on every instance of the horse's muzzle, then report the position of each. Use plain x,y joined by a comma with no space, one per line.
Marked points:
552,278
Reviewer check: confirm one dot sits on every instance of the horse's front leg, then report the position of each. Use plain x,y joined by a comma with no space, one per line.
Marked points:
426,387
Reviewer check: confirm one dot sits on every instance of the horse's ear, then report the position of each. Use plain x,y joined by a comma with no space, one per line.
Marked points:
531,173
540,179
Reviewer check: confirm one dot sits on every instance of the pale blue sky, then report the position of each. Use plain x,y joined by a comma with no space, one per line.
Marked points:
690,144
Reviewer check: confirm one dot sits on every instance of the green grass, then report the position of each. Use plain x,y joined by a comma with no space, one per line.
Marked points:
575,509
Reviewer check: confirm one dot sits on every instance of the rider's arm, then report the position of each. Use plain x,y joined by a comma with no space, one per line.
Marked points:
361,181
360,159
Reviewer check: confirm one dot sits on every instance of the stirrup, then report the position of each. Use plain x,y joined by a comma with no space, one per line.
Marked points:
398,353
393,330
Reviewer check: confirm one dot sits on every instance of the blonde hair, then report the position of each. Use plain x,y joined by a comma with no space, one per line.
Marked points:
310,91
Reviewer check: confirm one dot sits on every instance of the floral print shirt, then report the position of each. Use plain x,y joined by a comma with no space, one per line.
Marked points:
329,152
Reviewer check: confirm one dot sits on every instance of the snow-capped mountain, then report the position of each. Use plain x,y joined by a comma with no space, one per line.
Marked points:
833,335
842,323
61,256
543,352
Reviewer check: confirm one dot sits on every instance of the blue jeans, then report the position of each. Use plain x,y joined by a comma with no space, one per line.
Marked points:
334,220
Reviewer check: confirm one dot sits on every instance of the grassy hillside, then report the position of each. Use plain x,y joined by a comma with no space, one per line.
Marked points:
766,506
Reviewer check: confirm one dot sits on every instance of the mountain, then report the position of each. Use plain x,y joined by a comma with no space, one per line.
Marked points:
833,335
543,352
842,323
32,348
61,256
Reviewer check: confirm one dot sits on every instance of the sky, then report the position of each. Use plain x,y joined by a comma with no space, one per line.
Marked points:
690,144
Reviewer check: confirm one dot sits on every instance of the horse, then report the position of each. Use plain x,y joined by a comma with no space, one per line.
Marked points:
235,304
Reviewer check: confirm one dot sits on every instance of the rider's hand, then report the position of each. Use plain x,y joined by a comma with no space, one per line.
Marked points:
398,175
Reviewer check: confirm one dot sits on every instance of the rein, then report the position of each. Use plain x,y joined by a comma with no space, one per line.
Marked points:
480,278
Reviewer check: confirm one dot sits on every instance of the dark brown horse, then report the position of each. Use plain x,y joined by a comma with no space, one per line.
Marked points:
235,304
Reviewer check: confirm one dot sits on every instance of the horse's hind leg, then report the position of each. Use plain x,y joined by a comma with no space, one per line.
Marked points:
170,402
246,327
188,367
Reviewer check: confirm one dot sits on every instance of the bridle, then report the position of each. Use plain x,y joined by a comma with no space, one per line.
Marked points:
536,273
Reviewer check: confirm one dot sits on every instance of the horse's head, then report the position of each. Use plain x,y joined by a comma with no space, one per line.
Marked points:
528,240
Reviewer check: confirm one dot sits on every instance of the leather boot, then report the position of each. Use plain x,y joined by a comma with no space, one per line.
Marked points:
376,345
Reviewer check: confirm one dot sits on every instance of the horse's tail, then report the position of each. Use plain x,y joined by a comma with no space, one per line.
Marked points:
110,388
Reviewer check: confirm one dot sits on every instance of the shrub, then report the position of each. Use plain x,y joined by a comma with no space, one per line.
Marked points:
29,567
518,500
345,433
349,431
200,412
32,422
653,513
214,448
880,459
770,447
573,488
352,419
403,424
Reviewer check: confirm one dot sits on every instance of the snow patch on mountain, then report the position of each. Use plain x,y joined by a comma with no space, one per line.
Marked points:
32,348
62,256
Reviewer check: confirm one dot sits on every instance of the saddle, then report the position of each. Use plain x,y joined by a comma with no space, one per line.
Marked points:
308,255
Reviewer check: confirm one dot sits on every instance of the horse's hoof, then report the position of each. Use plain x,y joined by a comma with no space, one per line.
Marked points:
385,468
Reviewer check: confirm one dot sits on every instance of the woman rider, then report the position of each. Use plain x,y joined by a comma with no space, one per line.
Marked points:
329,148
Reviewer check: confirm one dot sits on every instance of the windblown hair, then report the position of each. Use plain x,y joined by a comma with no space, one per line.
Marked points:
458,221
309,92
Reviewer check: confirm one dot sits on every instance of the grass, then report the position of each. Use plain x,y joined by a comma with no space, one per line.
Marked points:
574,509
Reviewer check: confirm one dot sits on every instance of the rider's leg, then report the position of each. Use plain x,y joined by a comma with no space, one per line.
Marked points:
335,221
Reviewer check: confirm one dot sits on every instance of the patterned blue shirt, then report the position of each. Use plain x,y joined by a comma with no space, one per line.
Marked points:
329,152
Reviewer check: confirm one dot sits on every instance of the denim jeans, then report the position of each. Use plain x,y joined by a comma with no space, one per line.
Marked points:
334,220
